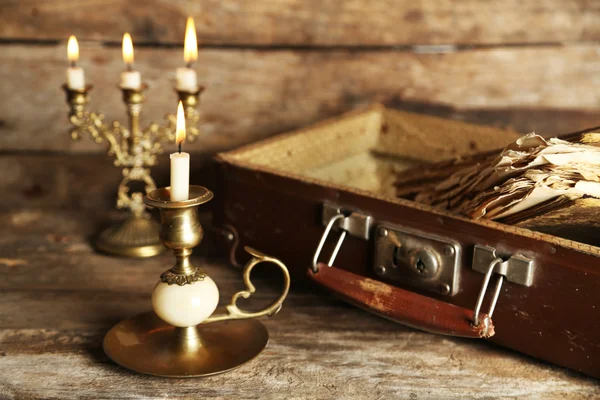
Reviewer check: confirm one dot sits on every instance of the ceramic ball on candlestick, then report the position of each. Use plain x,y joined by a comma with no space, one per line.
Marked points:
188,305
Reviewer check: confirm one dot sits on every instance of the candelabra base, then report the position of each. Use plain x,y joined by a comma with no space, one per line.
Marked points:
148,345
134,237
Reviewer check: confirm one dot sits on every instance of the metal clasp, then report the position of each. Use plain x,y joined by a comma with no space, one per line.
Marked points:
332,221
355,224
484,287
516,269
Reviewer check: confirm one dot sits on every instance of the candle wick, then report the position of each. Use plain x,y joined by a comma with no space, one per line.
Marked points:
179,147
129,67
73,64
189,65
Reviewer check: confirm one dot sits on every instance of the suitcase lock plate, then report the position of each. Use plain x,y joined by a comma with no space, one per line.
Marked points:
417,259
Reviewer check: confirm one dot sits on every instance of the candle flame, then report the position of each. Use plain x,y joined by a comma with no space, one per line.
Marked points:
180,130
127,49
73,49
190,46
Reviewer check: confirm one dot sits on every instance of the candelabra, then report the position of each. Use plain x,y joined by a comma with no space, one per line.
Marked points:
135,150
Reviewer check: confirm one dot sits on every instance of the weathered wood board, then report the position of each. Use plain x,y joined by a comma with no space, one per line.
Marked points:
79,180
253,94
307,23
59,298
269,66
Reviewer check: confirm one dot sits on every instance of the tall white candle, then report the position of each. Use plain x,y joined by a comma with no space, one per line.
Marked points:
180,162
186,77
130,79
75,75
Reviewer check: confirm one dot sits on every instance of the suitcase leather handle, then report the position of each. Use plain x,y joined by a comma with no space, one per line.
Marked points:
408,308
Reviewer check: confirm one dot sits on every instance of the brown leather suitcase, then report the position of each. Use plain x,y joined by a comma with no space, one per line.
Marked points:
322,199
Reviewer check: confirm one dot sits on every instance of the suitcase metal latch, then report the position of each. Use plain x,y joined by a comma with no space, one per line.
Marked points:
517,269
353,223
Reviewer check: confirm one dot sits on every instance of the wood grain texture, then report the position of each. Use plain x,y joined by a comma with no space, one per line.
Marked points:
253,94
59,298
307,23
78,180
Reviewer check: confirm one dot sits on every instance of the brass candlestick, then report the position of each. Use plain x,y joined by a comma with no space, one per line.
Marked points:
135,151
181,338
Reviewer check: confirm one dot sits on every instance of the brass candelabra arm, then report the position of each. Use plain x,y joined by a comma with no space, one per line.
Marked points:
92,124
158,134
149,145
122,158
165,133
134,201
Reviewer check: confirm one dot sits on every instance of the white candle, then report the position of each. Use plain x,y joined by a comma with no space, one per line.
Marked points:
75,78
187,80
180,162
180,176
75,75
186,77
130,79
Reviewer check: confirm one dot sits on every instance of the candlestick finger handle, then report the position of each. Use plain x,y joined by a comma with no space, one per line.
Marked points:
233,311
185,304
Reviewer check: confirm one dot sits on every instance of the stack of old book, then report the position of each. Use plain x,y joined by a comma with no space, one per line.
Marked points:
549,185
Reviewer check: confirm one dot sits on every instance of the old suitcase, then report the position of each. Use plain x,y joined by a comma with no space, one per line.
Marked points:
324,195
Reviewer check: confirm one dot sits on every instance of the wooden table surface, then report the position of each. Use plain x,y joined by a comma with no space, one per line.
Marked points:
59,298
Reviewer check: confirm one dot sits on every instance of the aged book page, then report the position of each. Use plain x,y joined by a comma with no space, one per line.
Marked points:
534,182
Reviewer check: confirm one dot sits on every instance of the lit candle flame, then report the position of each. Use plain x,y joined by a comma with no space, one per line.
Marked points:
127,49
180,130
190,46
73,50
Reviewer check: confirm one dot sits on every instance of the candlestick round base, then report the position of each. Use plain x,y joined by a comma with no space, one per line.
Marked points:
135,237
148,345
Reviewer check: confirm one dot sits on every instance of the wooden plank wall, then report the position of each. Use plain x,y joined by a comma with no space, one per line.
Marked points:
273,65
